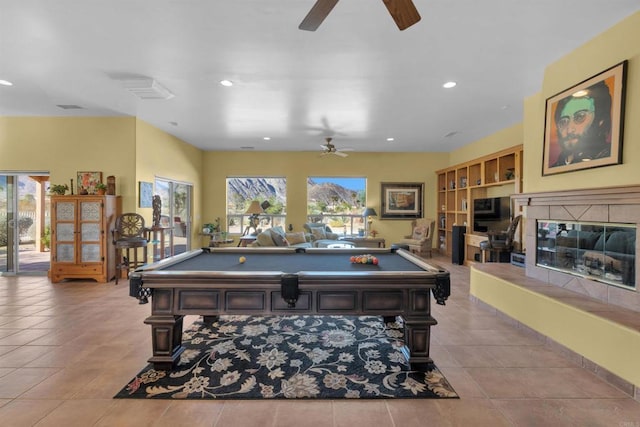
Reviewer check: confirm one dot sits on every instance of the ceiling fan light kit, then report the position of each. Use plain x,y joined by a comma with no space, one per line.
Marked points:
329,148
403,12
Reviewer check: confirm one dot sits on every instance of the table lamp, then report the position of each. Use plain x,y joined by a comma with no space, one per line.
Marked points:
254,212
369,213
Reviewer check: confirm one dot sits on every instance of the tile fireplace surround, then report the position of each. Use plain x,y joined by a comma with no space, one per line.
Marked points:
611,204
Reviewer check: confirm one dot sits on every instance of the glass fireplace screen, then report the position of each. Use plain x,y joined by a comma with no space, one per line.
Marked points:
599,251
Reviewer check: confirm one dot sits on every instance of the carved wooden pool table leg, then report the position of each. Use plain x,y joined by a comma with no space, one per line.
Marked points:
166,337
417,333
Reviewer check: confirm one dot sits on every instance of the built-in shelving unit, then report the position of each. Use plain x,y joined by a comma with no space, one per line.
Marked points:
499,173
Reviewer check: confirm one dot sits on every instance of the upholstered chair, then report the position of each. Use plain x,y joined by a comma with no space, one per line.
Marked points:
420,241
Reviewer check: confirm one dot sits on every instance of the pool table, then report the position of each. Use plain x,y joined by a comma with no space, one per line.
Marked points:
287,281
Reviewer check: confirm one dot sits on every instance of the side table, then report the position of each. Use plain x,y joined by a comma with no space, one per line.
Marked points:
365,242
245,241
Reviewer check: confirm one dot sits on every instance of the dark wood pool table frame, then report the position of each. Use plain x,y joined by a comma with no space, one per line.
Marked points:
175,294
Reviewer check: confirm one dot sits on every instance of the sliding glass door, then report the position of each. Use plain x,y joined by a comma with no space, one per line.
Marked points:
176,211
7,234
24,223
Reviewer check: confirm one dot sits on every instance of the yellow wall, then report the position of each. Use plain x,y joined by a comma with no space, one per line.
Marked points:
296,167
608,49
159,154
64,146
125,147
503,139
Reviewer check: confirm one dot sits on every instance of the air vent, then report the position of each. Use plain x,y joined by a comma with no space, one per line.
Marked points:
247,148
147,89
69,107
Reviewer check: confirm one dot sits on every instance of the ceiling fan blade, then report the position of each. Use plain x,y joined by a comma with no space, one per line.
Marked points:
340,153
347,149
404,12
317,14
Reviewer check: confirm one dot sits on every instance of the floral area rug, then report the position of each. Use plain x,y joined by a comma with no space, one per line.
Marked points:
290,357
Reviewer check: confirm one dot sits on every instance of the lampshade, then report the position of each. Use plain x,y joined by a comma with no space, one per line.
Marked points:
369,212
254,208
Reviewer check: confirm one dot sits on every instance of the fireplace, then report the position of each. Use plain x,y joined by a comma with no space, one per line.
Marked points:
605,252
564,238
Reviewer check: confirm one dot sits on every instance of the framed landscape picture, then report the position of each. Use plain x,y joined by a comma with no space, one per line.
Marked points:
583,124
401,200
146,194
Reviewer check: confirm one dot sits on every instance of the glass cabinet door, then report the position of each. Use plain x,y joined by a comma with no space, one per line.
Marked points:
90,231
65,231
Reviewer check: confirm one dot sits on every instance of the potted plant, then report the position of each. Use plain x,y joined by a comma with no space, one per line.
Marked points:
59,189
101,188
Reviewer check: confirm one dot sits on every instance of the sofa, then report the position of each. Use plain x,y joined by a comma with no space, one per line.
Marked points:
276,236
314,236
320,235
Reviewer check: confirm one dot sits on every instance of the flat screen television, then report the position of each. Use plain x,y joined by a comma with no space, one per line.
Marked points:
491,214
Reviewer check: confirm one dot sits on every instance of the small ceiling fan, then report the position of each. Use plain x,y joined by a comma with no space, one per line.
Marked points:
329,148
403,12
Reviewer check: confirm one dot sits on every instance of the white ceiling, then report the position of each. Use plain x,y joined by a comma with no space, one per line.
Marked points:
358,78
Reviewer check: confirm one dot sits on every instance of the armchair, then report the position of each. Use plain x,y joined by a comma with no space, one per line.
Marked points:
420,241
500,242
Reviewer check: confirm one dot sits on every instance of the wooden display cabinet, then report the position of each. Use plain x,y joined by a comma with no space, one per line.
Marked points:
460,185
81,242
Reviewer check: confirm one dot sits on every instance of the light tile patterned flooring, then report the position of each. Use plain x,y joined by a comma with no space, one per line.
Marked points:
67,348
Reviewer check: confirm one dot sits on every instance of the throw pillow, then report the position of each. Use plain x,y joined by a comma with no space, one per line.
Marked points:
418,233
278,239
264,239
295,238
278,229
318,233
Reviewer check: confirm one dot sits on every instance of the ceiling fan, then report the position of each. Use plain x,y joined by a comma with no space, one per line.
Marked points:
403,12
329,148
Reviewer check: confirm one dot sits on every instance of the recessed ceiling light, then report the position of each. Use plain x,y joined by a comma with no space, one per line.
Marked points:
267,138
390,139
226,83
580,93
449,85
6,83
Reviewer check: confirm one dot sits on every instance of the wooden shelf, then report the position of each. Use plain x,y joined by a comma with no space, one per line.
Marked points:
459,185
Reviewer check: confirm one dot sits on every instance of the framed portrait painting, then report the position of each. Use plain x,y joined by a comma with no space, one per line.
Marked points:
584,124
87,182
401,200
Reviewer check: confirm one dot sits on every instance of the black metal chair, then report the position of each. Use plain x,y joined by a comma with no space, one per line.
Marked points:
129,235
500,242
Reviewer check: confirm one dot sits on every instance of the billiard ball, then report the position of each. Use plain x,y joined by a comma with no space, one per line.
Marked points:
242,259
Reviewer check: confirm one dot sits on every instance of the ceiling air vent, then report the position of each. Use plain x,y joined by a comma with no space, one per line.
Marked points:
147,89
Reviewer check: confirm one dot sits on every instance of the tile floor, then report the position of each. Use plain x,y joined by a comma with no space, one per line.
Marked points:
67,348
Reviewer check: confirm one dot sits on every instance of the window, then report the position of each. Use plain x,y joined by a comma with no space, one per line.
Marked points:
337,202
269,192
